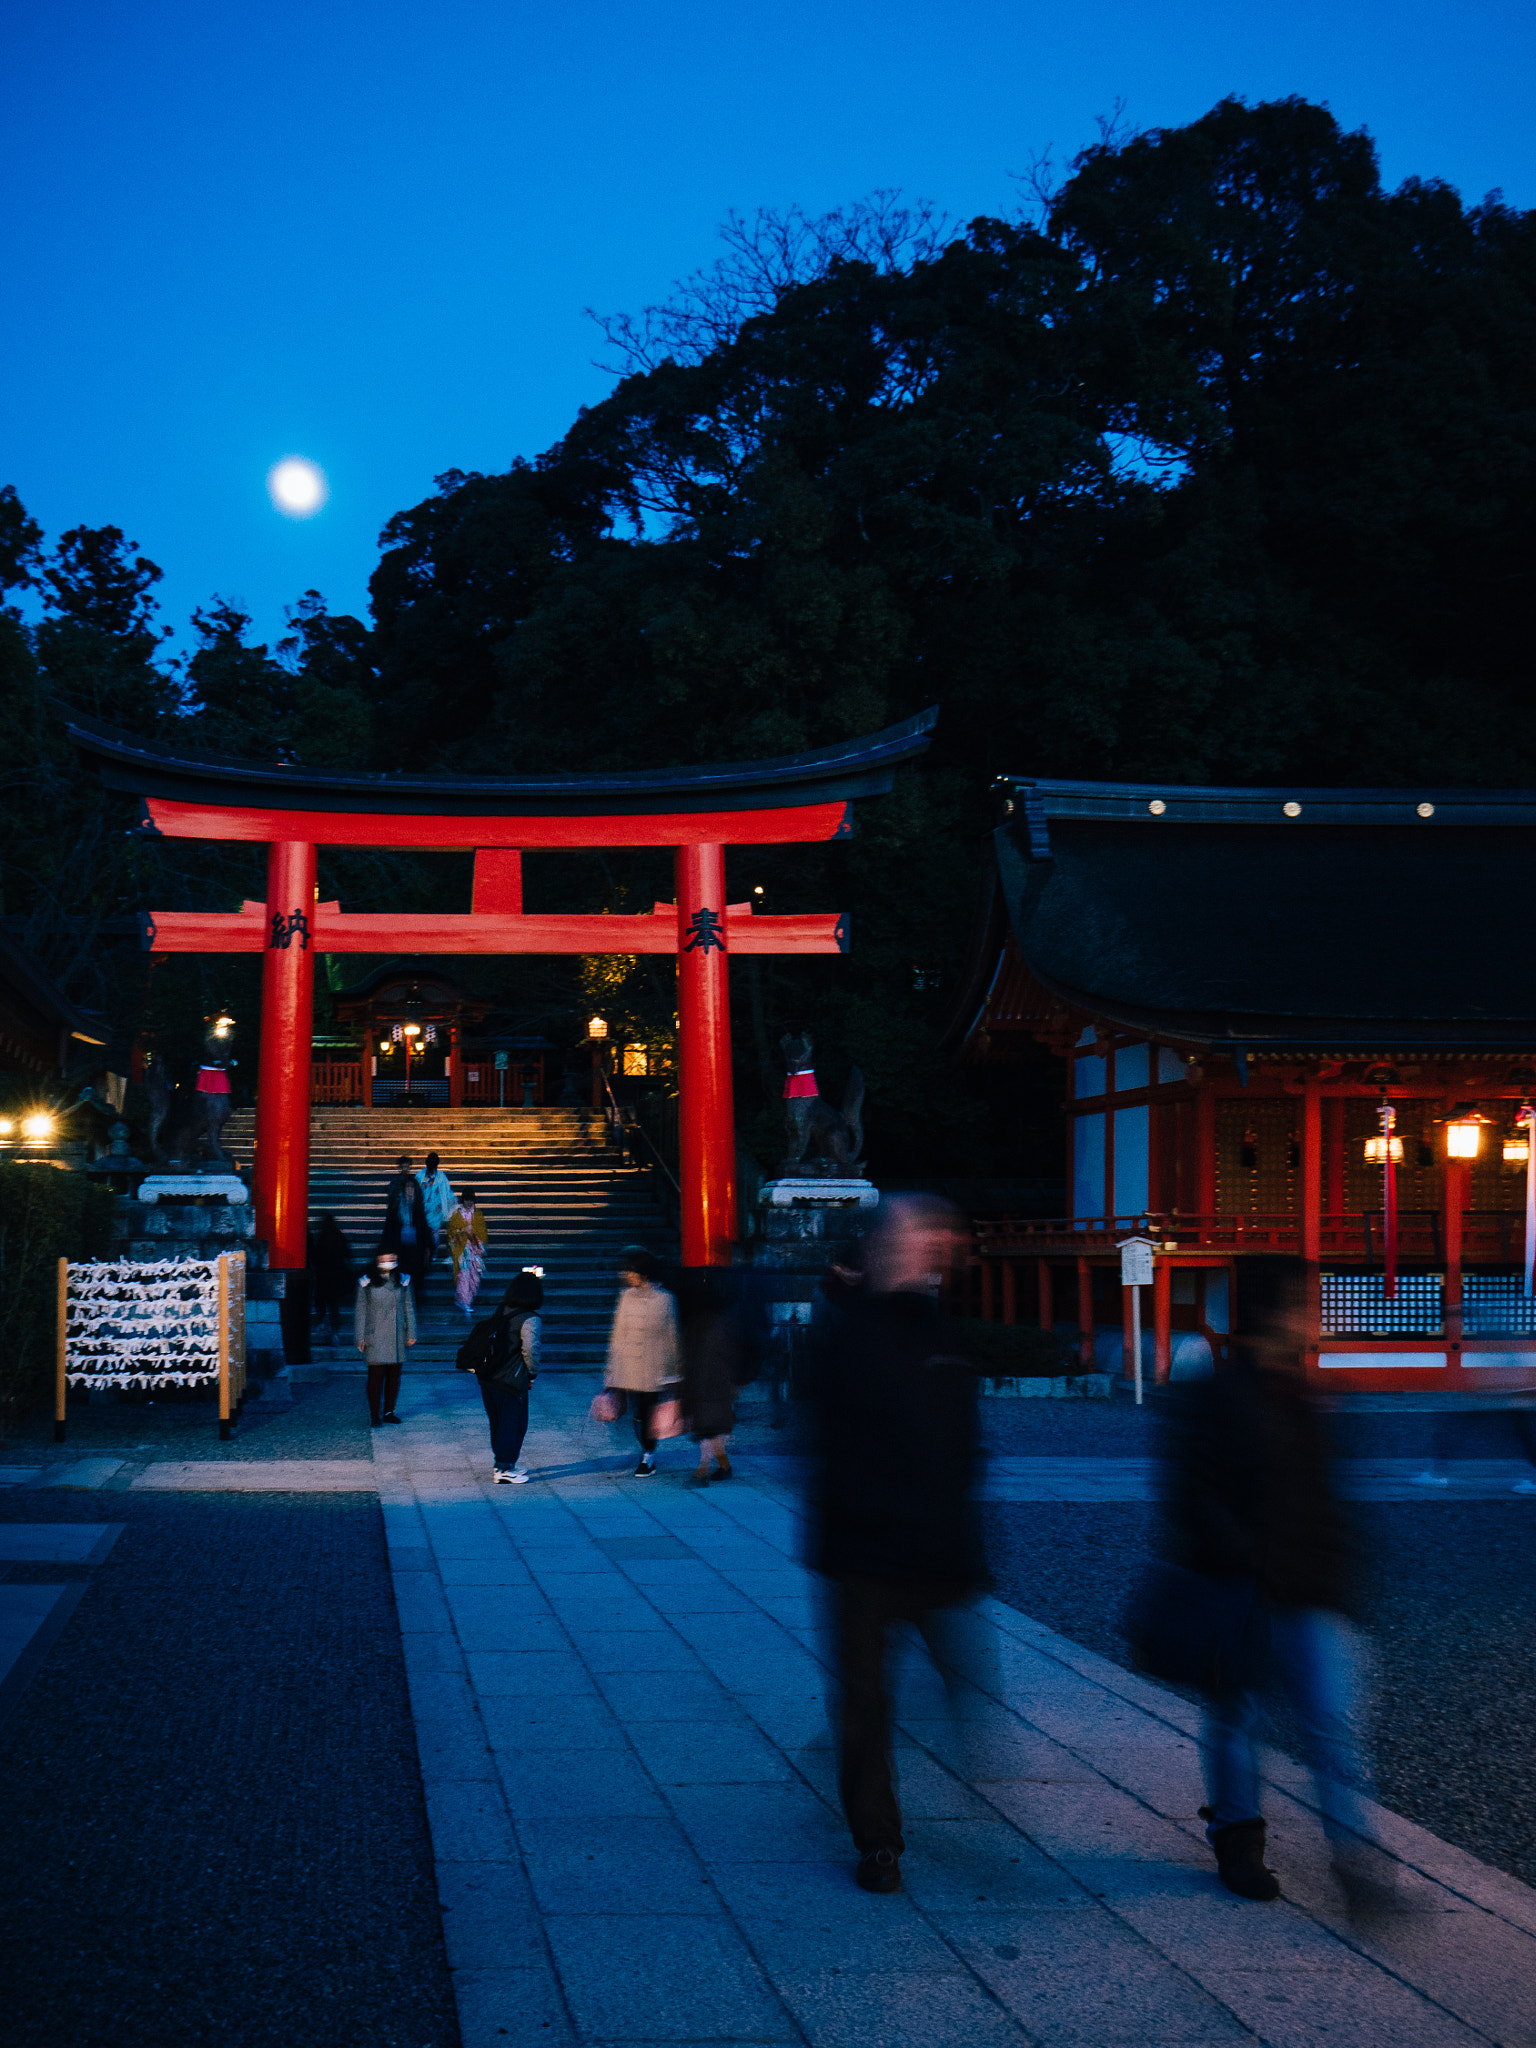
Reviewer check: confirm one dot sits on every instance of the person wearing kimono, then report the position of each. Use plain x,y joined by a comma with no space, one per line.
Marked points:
466,1242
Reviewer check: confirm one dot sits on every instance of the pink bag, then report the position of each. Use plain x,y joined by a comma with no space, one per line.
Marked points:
667,1419
609,1405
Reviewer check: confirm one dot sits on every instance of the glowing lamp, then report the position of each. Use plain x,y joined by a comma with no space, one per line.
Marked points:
7,1127
223,1025
1463,1137
37,1126
636,1060
597,1027
1517,1148
1379,1150
413,1031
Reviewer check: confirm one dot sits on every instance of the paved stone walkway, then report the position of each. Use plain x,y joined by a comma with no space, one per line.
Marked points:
620,1702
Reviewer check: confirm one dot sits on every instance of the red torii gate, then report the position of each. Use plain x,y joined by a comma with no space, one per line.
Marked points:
697,812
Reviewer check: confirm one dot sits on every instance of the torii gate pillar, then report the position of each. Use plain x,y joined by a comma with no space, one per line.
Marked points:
281,1174
706,1114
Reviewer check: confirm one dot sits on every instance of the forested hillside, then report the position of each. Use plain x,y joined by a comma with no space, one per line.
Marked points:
1216,465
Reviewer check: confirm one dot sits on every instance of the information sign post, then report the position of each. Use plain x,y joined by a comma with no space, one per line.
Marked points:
1136,1273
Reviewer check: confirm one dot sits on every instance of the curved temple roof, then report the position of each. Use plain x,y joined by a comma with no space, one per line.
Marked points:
1364,917
852,768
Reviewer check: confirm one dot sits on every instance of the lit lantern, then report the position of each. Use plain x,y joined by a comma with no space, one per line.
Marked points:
1379,1150
636,1060
597,1027
37,1127
1517,1146
223,1025
413,1031
1464,1136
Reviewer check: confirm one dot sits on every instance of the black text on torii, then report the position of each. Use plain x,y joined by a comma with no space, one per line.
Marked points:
705,931
286,929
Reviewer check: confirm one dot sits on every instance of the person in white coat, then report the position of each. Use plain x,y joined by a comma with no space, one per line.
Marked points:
645,1353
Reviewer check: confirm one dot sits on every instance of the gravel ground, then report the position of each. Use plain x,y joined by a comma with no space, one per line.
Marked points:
215,1827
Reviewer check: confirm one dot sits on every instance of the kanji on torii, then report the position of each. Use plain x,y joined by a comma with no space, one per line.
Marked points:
697,812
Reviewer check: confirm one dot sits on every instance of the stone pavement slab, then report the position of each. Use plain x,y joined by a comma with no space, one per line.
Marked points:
620,1690
57,1542
266,1475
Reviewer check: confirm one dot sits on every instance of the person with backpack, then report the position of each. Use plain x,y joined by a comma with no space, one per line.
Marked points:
384,1325
503,1354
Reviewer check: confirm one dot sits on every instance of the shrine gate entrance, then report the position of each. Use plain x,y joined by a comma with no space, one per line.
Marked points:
696,812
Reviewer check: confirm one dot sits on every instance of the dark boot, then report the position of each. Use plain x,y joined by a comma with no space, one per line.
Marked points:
1240,1860
879,1871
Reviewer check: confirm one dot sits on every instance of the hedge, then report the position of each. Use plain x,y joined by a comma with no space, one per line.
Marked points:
45,1215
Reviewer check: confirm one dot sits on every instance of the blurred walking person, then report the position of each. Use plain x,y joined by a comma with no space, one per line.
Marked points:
466,1244
331,1272
894,1527
1254,1510
711,1343
504,1354
645,1359
384,1325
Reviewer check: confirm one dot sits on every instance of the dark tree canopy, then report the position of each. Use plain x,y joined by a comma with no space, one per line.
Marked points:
1221,468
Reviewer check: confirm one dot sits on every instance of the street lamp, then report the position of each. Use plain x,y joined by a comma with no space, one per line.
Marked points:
597,1027
37,1128
1379,1150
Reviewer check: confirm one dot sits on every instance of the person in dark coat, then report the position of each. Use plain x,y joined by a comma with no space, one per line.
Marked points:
895,1529
711,1366
1252,1499
331,1272
407,1232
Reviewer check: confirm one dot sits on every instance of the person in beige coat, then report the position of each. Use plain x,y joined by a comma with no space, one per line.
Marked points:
645,1354
384,1325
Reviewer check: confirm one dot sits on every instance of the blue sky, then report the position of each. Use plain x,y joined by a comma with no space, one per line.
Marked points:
366,234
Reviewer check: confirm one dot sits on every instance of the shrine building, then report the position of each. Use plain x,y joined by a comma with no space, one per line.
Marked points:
1295,1021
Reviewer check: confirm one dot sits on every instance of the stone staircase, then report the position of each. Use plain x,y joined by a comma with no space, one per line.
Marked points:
553,1193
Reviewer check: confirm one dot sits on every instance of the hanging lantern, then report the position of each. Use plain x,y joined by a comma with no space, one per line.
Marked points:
1379,1150
1517,1146
429,1036
1464,1136
397,1032
413,1031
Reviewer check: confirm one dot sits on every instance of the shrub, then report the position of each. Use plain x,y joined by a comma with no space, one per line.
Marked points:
45,1215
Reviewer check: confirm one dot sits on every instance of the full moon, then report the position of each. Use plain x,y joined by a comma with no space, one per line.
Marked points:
297,486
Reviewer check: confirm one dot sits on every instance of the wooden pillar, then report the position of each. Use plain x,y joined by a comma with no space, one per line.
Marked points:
1008,1272
455,1066
1047,1294
706,1112
1085,1315
1311,1173
1162,1322
287,1027
1333,1156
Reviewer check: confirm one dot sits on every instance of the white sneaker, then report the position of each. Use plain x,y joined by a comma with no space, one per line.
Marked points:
500,1478
518,1476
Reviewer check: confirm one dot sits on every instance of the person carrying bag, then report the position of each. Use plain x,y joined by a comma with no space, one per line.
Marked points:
503,1354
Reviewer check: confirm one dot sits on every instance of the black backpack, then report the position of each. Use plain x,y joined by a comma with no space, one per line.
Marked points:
474,1354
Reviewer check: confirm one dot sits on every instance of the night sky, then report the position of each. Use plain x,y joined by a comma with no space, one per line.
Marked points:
366,235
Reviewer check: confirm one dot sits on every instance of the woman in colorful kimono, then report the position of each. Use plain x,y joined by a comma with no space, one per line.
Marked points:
466,1241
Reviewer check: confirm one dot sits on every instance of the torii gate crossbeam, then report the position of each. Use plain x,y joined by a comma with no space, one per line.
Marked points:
698,812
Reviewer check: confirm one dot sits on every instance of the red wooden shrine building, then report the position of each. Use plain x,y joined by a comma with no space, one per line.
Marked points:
1258,994
697,812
